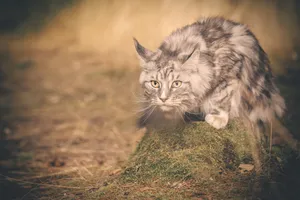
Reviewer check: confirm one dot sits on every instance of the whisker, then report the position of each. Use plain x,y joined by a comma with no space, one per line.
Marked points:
149,114
139,97
142,104
136,95
143,109
142,100
188,105
180,113
186,116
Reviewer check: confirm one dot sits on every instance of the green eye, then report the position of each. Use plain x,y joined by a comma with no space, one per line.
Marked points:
176,84
155,84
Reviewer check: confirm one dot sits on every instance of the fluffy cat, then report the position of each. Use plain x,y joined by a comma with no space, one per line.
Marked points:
214,66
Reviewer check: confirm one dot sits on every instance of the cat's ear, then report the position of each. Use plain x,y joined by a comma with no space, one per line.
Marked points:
143,53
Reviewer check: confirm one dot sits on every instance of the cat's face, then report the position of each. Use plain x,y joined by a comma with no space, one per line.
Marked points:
169,80
167,88
174,80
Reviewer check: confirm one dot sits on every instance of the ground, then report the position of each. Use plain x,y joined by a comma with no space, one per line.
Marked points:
65,119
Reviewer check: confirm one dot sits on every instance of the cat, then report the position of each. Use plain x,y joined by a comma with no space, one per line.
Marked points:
214,66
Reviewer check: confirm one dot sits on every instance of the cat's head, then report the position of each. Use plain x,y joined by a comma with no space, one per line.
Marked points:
171,80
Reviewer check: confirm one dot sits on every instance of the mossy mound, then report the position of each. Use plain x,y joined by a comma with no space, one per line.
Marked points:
195,162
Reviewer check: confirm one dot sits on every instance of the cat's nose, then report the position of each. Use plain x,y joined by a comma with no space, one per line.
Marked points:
163,99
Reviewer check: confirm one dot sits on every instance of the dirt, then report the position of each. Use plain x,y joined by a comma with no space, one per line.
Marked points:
62,113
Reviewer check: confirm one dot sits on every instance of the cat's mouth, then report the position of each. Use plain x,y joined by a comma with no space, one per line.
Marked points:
166,108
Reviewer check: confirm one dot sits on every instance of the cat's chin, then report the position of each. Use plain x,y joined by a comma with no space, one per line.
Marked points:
166,108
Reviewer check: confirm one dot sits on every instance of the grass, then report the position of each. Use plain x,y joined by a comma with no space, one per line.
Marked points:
195,162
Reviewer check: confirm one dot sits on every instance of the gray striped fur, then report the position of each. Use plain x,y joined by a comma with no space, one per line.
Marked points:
225,74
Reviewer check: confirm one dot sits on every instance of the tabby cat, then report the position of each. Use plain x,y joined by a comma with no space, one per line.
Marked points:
214,66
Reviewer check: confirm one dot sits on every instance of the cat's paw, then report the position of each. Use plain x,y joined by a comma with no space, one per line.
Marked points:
217,121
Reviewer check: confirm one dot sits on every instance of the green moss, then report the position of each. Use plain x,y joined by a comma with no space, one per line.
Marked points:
25,156
197,161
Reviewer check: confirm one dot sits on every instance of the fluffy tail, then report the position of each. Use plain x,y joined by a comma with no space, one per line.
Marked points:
280,134
277,134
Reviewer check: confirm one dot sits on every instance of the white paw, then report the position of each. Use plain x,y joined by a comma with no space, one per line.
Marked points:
217,121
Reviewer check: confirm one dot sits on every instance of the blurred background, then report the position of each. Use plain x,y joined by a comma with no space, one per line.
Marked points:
69,81
107,27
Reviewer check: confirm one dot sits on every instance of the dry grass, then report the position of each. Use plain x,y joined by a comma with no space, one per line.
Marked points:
68,120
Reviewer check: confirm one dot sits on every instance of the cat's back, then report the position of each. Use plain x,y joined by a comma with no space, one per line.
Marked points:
211,34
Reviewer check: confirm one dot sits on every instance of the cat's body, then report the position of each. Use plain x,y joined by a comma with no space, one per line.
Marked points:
216,66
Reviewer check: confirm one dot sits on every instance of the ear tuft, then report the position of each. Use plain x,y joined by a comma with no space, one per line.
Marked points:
144,54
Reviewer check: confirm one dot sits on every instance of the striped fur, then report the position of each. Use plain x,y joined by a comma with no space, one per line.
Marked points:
224,72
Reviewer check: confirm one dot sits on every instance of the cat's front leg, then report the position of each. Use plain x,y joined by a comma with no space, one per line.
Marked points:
217,119
217,105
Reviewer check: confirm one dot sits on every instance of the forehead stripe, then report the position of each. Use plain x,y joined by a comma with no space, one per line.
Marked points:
161,75
165,73
168,72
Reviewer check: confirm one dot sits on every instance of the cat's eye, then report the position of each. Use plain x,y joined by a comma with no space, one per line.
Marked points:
176,84
155,84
